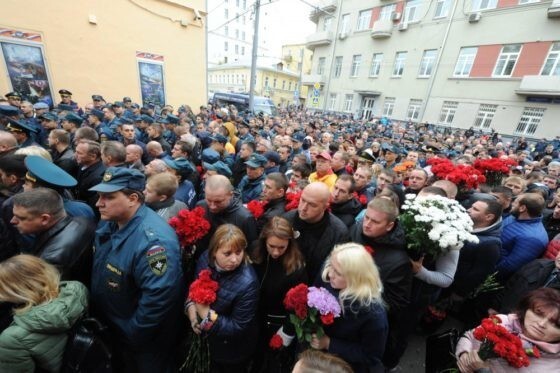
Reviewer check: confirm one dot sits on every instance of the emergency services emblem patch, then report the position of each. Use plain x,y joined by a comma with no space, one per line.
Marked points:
157,260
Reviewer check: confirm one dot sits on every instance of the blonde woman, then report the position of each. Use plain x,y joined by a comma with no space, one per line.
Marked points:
359,335
45,310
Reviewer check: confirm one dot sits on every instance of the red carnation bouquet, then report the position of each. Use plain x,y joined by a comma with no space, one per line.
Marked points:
494,169
202,291
310,309
190,226
466,177
256,208
292,200
361,198
497,341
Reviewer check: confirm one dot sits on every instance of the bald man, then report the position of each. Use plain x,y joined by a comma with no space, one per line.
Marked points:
449,187
222,206
319,230
8,143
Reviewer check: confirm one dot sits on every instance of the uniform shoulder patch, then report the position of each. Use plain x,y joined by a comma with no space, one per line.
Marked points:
157,259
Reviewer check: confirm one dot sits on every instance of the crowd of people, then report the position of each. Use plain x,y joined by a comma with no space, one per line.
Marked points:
87,193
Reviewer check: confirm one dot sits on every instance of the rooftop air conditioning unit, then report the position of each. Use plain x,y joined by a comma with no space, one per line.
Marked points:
396,16
403,27
474,17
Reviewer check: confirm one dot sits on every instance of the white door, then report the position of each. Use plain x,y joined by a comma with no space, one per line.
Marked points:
367,107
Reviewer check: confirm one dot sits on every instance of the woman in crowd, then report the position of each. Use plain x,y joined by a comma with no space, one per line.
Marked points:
280,266
230,320
45,310
536,322
358,336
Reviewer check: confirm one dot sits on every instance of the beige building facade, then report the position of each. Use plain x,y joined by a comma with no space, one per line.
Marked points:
297,58
277,83
459,63
149,50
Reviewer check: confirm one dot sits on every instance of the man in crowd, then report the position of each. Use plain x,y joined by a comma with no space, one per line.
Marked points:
344,205
251,185
417,180
90,173
323,171
137,283
319,230
61,151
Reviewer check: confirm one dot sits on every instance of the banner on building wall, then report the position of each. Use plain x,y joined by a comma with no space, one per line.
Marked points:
152,85
24,59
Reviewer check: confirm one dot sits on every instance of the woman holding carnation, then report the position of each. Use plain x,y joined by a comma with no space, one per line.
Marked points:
536,322
229,321
280,266
359,335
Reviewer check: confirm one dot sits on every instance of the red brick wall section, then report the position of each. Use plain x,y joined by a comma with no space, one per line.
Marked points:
507,3
531,59
374,16
485,60
400,9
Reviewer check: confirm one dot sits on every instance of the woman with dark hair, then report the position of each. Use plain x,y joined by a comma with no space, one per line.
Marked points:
536,322
230,320
280,266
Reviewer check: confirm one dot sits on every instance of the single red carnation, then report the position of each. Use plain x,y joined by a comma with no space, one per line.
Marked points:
275,342
296,300
292,201
256,208
327,319
203,290
370,250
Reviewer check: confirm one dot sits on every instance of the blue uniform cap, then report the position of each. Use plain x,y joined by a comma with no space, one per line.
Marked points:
65,107
49,116
147,118
118,178
210,156
13,94
256,160
172,119
179,164
220,167
47,173
98,113
272,156
17,126
126,120
74,118
40,106
299,137
9,110
219,138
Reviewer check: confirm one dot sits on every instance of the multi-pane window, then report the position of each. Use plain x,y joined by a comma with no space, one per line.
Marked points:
327,23
243,35
332,102
226,13
289,86
348,99
448,110
226,31
507,59
355,68
413,111
387,12
398,68
226,46
283,85
321,65
266,81
274,82
411,12
528,1
427,63
364,17
337,66
442,8
376,64
465,61
530,120
388,106
485,115
242,51
237,34
552,63
345,23
236,49
484,4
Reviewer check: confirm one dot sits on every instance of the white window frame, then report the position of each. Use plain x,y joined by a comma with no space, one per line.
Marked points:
345,23
348,102
387,12
364,19
523,2
389,106
321,65
332,101
505,59
478,5
448,111
327,23
398,67
465,61
529,121
442,9
427,63
413,112
552,59
411,13
337,66
485,116
355,68
375,68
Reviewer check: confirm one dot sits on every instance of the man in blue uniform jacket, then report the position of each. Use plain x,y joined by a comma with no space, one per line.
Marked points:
137,282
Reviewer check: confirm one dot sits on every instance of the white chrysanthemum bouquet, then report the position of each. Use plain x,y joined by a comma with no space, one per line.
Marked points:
434,225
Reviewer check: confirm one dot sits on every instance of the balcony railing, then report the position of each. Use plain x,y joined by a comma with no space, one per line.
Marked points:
539,85
382,29
318,39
